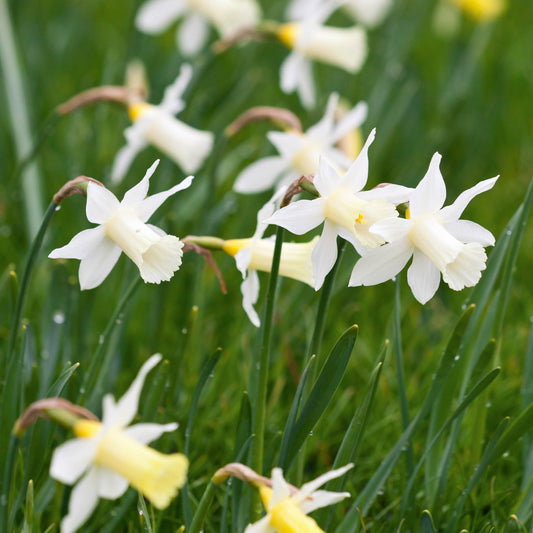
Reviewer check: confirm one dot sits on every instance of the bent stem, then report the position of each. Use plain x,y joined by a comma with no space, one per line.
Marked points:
260,404
21,297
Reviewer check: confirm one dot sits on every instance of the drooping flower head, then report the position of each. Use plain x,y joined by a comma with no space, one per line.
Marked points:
309,39
286,511
434,236
157,125
256,253
106,457
300,153
227,16
345,210
122,228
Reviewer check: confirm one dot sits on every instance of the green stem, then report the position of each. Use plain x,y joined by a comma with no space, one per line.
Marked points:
4,496
409,457
93,379
13,77
21,297
201,510
321,315
260,404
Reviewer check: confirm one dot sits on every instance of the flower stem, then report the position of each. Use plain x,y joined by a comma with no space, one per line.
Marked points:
266,324
409,460
21,297
201,510
4,496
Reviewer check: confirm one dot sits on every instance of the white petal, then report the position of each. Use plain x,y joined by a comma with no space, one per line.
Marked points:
322,498
423,277
83,500
309,488
337,158
468,231
306,84
101,203
148,206
322,130
71,459
192,34
430,193
110,484
352,120
250,293
260,176
96,266
126,408
381,264
123,160
172,102
454,211
280,488
138,192
396,194
267,211
301,216
146,433
80,245
155,16
290,72
287,144
391,229
242,260
326,179
357,175
324,255
261,526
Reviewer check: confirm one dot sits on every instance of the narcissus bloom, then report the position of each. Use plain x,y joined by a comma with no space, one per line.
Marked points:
300,153
156,125
287,511
345,209
227,16
481,9
434,236
310,39
106,457
255,254
122,228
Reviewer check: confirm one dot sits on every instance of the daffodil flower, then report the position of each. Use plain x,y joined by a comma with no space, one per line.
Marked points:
482,10
345,209
434,236
228,17
309,39
157,125
122,227
287,510
255,254
106,457
300,153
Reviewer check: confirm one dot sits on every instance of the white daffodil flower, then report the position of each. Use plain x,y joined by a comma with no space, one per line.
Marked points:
287,511
255,254
309,39
112,455
122,228
300,153
156,125
227,16
345,209
433,236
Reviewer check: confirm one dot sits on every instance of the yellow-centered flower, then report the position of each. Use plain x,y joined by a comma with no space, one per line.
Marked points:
286,510
106,457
